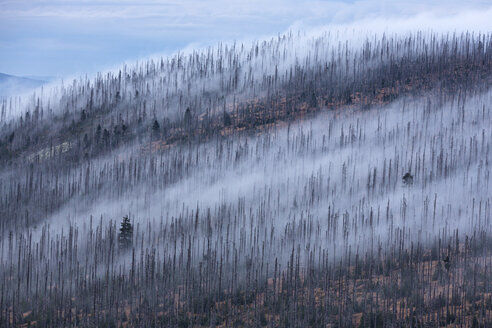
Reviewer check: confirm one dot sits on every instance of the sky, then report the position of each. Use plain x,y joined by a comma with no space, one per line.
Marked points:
64,38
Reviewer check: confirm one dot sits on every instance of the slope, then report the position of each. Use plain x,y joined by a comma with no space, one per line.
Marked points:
256,196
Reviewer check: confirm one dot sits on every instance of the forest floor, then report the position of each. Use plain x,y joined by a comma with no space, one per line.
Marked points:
414,293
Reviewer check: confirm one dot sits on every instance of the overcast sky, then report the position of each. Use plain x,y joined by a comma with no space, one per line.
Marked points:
72,37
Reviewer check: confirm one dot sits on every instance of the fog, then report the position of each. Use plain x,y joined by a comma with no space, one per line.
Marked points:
282,159
338,164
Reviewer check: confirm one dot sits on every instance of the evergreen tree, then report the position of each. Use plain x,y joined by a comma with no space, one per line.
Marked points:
408,179
187,118
125,237
227,119
156,127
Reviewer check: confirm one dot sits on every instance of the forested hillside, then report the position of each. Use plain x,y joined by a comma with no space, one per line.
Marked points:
336,180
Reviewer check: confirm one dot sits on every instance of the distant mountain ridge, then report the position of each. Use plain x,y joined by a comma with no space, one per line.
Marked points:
11,85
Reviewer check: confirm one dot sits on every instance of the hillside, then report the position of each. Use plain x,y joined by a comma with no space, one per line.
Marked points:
264,184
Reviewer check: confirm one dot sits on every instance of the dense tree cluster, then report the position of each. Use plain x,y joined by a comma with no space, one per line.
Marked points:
297,182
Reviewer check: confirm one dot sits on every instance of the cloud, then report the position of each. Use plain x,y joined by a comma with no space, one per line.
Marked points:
303,9
133,10
466,20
